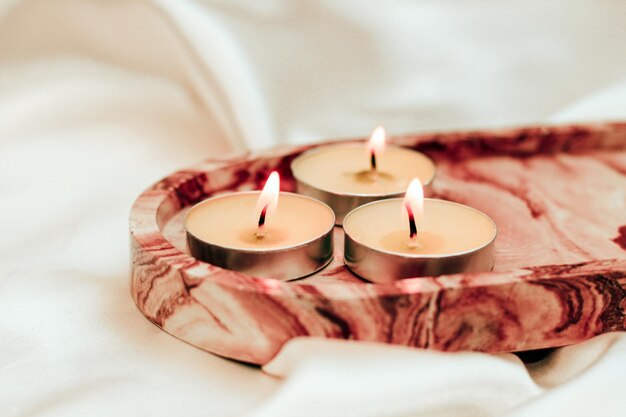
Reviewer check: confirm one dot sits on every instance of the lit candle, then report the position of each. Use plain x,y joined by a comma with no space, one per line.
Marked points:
269,234
347,175
401,238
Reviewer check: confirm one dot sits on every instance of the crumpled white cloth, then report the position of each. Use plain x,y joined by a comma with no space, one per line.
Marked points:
338,378
98,99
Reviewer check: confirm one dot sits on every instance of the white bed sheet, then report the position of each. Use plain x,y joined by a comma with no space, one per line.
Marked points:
98,99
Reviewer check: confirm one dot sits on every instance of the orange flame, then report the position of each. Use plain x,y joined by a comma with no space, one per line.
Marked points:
413,204
376,143
267,202
414,198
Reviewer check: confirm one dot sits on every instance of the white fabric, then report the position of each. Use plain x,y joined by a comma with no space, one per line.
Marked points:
98,99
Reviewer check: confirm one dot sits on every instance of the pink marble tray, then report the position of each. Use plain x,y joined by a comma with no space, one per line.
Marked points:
558,195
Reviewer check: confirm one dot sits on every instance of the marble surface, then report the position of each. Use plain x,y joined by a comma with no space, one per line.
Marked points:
558,195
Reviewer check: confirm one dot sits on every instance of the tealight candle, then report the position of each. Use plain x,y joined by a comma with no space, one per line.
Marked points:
348,175
400,238
269,234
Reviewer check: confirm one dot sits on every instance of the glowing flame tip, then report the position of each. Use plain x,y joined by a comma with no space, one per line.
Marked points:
268,200
414,200
376,144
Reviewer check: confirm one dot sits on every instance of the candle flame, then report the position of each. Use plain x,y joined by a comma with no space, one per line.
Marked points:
413,204
377,140
267,202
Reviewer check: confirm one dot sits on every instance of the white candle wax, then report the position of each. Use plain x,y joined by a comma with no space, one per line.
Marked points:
447,228
453,238
229,221
346,169
261,235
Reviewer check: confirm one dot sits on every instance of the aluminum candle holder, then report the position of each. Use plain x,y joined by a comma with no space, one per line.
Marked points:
382,267
378,264
285,262
458,239
344,202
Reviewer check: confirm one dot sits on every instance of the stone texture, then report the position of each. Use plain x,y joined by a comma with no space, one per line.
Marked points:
558,195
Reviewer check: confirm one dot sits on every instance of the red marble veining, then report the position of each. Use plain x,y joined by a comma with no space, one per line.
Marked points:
621,237
558,195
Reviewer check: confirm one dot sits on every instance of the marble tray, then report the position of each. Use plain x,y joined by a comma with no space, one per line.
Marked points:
557,193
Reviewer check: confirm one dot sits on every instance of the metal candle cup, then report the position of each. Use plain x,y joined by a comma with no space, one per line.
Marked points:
338,175
296,242
456,239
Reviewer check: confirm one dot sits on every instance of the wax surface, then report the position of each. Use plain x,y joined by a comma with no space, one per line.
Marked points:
447,227
345,168
229,221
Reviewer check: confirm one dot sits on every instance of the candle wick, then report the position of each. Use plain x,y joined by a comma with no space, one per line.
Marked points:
413,241
373,161
260,231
